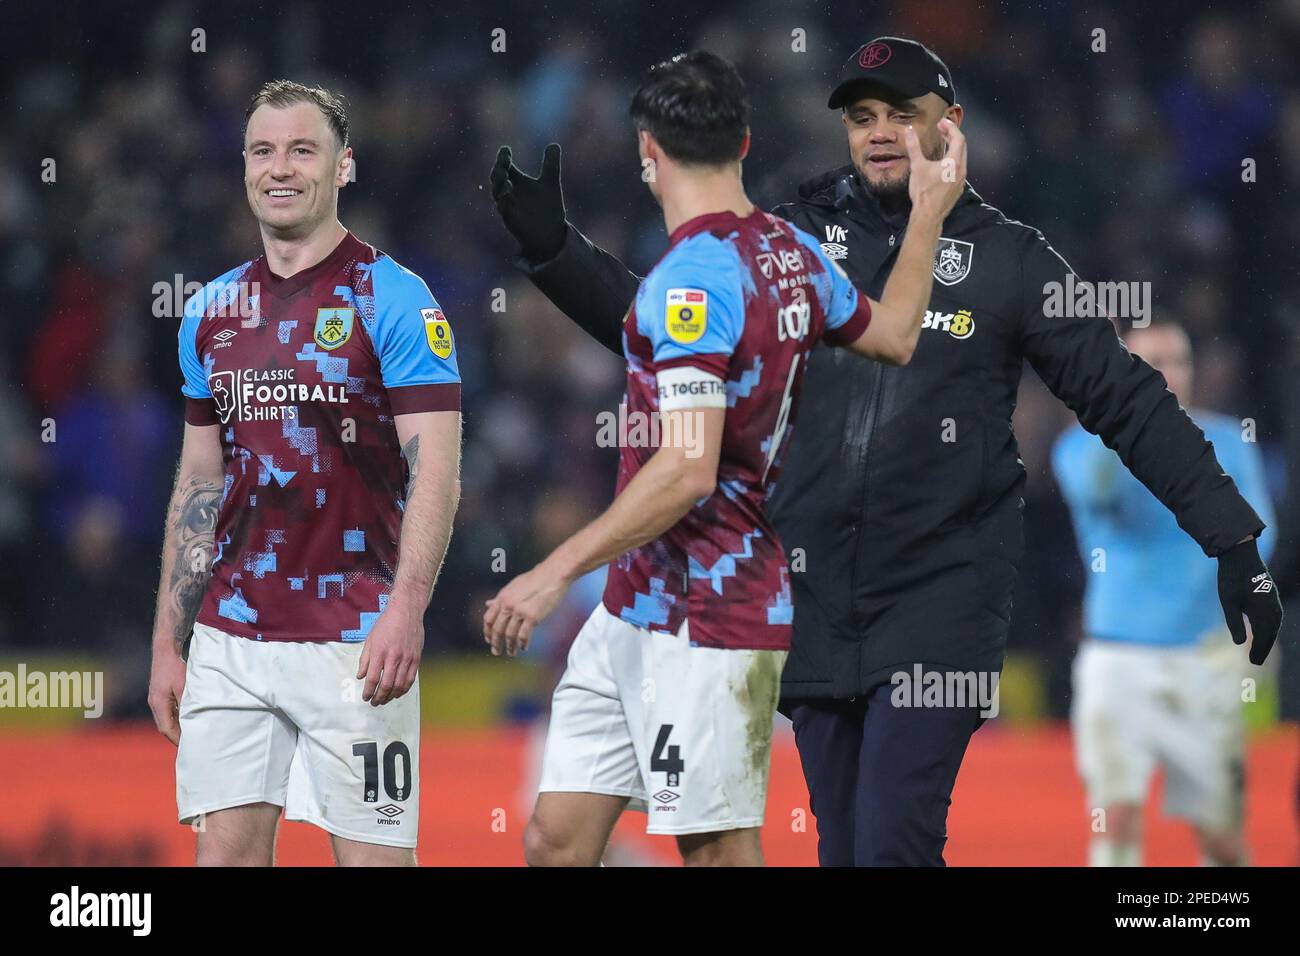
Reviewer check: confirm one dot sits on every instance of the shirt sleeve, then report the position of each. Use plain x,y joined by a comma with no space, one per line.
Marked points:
200,409
413,342
589,285
1246,465
692,309
1066,469
1089,474
1119,397
848,312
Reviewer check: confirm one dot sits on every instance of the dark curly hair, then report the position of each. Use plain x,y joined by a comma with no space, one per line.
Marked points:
696,107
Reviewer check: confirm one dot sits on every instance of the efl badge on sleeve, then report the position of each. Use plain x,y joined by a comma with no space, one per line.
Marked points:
686,315
438,332
333,327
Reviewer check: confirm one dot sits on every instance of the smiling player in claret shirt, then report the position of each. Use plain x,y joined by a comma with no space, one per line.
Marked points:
313,507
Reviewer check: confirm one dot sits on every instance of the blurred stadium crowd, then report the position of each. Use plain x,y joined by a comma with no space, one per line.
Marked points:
1130,161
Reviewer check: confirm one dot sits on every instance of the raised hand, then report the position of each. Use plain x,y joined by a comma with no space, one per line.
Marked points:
531,208
935,185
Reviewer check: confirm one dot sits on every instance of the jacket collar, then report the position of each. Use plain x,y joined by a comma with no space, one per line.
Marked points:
840,189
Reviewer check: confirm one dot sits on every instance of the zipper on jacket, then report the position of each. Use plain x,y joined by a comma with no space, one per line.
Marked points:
873,411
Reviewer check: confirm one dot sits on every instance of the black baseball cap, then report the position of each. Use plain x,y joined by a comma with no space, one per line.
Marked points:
908,68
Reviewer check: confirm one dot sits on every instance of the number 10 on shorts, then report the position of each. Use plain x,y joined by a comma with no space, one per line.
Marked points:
369,752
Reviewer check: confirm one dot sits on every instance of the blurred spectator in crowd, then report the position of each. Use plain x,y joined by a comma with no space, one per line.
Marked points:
94,597
116,441
20,468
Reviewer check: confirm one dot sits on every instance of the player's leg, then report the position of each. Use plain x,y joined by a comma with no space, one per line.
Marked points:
1114,717
727,848
355,853
828,734
908,765
232,768
589,769
571,829
238,836
702,718
1221,848
1205,785
1117,836
356,771
1204,751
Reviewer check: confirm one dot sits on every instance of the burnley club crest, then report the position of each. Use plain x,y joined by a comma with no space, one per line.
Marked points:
952,260
333,327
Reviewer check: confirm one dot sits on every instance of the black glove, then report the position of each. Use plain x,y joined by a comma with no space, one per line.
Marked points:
1246,587
532,209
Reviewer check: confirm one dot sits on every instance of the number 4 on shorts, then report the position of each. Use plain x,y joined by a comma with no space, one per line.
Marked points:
665,758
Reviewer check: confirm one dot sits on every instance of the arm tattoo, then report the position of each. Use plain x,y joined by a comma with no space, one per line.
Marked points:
193,526
411,452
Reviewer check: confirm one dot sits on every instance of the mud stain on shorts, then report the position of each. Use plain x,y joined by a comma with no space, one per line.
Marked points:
757,697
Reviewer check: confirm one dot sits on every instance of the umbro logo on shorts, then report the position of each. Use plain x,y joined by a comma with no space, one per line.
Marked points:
389,810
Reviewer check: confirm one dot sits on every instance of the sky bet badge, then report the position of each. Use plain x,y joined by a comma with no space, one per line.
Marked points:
333,327
438,332
687,315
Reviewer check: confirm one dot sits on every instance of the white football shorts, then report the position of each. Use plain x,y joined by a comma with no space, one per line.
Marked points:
1139,707
684,732
283,722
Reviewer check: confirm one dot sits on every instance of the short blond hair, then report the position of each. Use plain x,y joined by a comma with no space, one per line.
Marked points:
282,93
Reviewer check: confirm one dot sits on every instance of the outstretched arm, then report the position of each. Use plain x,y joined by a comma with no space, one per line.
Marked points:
586,283
1124,400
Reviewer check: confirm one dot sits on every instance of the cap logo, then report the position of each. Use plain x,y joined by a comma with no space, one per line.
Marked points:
874,55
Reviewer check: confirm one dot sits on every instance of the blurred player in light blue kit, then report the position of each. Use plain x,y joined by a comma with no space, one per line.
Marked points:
1156,682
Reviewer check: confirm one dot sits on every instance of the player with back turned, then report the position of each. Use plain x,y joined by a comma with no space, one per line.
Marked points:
312,510
671,686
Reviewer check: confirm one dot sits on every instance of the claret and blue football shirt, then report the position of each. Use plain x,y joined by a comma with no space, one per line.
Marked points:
304,382
726,319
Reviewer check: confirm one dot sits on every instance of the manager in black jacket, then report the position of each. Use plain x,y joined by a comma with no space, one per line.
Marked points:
900,502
